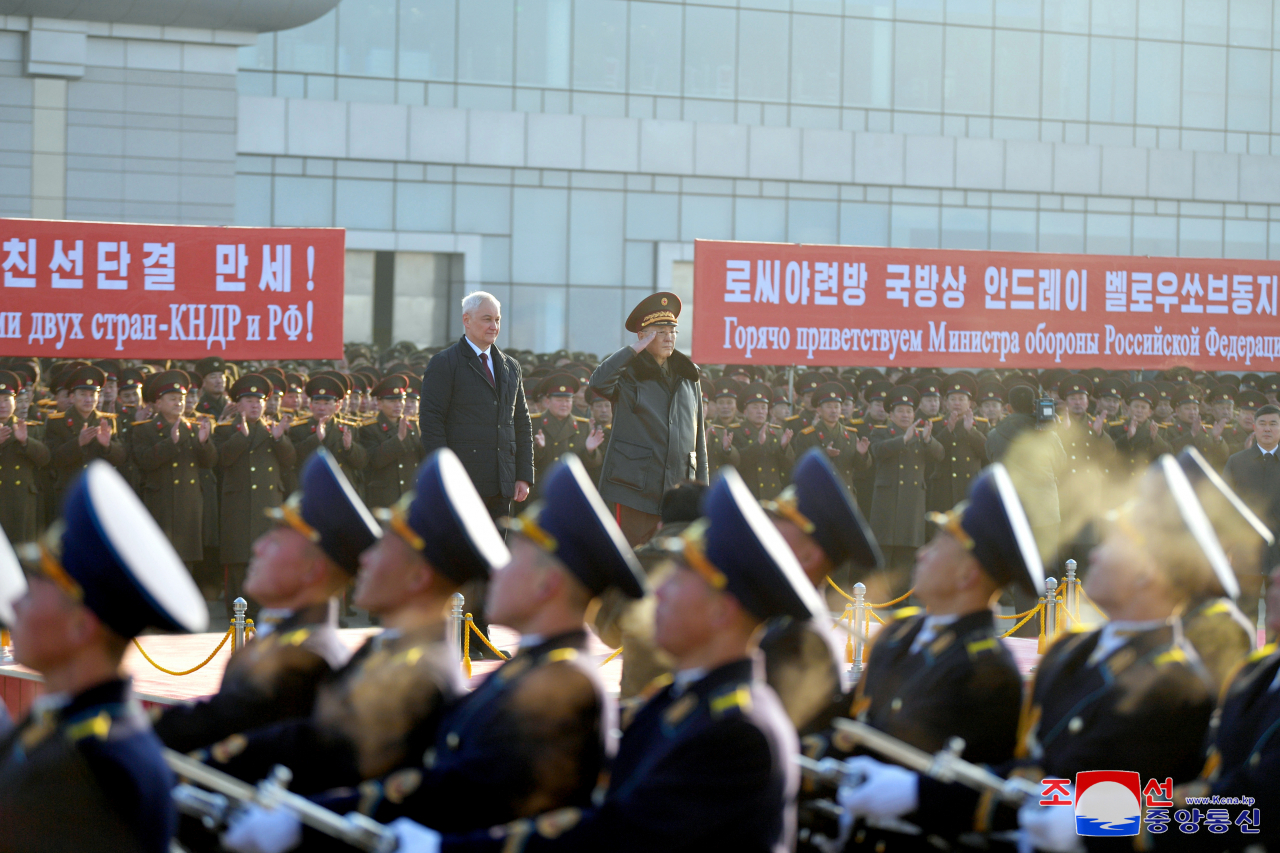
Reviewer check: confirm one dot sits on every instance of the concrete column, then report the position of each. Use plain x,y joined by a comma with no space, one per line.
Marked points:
49,148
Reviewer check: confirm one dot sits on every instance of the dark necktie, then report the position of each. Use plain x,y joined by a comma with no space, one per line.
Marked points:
488,373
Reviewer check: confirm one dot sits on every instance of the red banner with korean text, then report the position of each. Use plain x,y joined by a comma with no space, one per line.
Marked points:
114,290
783,303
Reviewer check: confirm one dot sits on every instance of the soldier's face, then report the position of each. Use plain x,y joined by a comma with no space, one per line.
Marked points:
781,412
1078,404
392,407
957,404
6,406
1187,411
939,566
1223,410
875,409
290,400
171,404
602,412
279,566
129,397
929,405
664,343
902,416
726,407
390,571
992,409
1140,409
251,408
847,406
85,400
49,627
214,382
757,413
1244,418
686,607
323,407
109,390
830,411
560,406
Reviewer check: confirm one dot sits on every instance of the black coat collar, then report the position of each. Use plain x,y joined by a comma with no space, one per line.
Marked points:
679,364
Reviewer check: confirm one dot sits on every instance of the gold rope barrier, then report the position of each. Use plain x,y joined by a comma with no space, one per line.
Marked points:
897,600
466,645
230,633
1026,617
616,652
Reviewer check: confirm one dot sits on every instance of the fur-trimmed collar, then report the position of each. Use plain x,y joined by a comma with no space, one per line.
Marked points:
681,366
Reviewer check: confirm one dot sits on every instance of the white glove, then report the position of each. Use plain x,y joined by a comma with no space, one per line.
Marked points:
1048,828
259,830
888,791
414,837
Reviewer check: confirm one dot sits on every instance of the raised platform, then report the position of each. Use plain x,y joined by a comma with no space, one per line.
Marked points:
19,685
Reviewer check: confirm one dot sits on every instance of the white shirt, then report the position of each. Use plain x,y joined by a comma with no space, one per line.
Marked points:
1271,452
682,680
930,630
1117,634
478,351
528,641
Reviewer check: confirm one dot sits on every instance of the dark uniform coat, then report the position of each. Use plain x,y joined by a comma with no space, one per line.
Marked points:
898,506
212,405
964,453
252,482
171,480
864,480
87,776
1215,452
274,677
1255,476
659,437
764,466
379,712
62,437
19,488
717,455
803,666
562,435
393,464
711,768
533,737
1088,454
1133,455
353,462
845,440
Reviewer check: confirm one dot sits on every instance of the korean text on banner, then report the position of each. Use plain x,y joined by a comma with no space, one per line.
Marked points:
774,303
99,290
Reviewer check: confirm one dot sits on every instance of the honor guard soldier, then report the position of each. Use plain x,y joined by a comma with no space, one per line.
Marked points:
943,673
930,388
963,436
326,428
169,453
1132,693
709,762
22,454
1139,439
1109,392
558,430
819,519
381,711
81,434
252,455
84,771
721,449
1084,436
213,383
764,450
130,393
990,401
393,443
297,570
1187,430
806,413
903,450
847,450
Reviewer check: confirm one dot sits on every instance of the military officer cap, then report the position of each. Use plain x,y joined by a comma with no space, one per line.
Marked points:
275,374
819,503
1109,386
828,392
328,512
988,391
1270,384
757,392
10,384
573,525
87,378
169,380
210,364
110,367
808,382
902,395
1251,400
869,377
1233,521
661,309
109,554
414,391
992,524
735,548
1143,391
960,383
1077,383
13,583
881,390
251,385
294,382
326,388
1226,379
781,396
1184,393
393,387
1249,382
1178,374
130,377
1220,393
444,519
727,388
928,385
560,385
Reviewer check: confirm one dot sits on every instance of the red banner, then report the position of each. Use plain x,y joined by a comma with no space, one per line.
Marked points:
112,290
776,303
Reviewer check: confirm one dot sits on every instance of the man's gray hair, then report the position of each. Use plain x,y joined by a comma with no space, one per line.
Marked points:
472,301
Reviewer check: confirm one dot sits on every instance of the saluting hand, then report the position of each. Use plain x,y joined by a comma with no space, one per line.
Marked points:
539,439
645,339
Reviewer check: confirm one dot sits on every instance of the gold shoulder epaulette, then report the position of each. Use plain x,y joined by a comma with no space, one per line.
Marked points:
1116,423
734,425
906,612
533,415
53,415
977,647
46,402
807,430
880,426
857,421
111,415
35,423
937,419
140,423
735,698
979,420
582,420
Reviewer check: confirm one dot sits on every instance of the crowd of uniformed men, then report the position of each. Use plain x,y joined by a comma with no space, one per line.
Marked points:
262,479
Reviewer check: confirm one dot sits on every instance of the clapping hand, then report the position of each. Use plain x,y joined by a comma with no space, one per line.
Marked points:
202,432
726,439
968,420
832,451
175,434
927,432
786,437
402,430
1153,428
594,439
277,429
863,444
539,439
104,432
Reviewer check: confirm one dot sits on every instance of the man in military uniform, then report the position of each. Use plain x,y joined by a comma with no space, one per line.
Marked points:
1139,439
326,428
765,454
708,762
252,455
1110,391
213,399
847,450
991,400
722,426
819,519
1221,399
81,434
1187,430
169,453
558,430
902,450
805,412
942,672
393,443
84,771
1089,448
297,570
781,406
963,437
22,454
863,481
